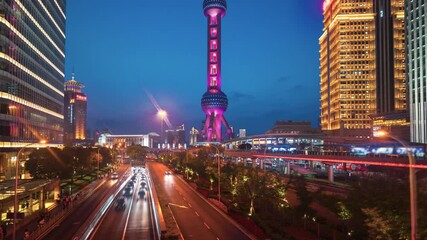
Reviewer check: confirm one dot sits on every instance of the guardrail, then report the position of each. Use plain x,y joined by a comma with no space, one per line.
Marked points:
56,215
160,225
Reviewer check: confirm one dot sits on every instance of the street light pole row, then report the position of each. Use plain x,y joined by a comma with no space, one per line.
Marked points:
219,171
412,184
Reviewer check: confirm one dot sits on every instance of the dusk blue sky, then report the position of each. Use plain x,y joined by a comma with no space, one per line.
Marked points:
270,66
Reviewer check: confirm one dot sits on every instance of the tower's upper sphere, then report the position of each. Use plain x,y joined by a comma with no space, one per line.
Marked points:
221,4
214,101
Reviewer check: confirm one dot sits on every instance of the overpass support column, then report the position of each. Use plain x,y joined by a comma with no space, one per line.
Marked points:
288,168
331,173
261,163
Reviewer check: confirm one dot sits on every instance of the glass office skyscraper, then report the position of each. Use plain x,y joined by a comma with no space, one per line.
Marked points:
32,62
416,28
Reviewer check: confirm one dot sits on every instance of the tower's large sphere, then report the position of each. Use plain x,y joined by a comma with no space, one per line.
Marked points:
221,4
212,101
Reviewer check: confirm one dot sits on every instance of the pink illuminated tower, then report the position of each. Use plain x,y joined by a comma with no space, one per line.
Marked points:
214,101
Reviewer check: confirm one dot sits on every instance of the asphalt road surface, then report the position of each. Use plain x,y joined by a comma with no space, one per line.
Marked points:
132,222
195,217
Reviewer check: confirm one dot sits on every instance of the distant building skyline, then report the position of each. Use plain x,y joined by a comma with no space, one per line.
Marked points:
361,63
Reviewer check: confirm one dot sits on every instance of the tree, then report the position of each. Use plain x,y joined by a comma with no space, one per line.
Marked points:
48,163
136,152
305,198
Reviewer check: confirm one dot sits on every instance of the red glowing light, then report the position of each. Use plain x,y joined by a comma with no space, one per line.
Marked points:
330,160
81,98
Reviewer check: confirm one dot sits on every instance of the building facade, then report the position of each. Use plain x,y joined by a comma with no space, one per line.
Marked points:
32,63
416,28
151,140
362,64
75,112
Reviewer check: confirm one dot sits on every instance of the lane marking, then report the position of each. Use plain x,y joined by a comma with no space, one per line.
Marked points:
197,214
207,225
217,238
177,205
190,205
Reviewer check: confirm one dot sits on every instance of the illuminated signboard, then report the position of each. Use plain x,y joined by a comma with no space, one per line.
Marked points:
81,98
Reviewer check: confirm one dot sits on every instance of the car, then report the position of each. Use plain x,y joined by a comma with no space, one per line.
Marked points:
130,184
143,184
128,192
167,172
120,205
114,175
141,193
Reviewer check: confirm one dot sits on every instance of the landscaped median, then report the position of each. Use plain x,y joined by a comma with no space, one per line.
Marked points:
172,230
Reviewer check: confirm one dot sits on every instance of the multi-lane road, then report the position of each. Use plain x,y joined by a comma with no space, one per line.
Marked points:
195,217
97,217
132,222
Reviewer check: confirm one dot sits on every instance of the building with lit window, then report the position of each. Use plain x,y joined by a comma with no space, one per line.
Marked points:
242,133
416,68
151,140
32,63
75,112
362,64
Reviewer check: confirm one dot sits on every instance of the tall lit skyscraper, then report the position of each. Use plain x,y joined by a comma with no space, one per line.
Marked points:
32,56
416,67
75,112
362,64
214,101
32,63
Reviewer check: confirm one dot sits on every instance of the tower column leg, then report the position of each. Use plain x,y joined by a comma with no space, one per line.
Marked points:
288,168
331,173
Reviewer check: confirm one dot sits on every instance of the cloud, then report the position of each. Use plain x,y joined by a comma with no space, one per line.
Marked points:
299,87
236,96
283,79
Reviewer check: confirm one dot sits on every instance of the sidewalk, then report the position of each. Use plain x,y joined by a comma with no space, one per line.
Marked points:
51,215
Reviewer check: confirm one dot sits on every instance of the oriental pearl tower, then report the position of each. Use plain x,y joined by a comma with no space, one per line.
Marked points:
214,101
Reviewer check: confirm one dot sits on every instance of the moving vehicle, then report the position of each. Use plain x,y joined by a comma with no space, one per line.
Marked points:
120,205
141,193
167,172
114,175
128,192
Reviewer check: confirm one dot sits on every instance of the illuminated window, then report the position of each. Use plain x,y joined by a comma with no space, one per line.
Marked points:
214,45
213,82
213,20
213,57
214,32
213,70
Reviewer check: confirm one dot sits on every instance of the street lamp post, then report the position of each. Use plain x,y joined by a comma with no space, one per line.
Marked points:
412,184
15,208
162,114
219,172
98,159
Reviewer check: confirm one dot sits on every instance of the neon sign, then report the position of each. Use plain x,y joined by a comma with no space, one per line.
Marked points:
81,98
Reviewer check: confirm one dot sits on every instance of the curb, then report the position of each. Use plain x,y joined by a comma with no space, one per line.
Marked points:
232,221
